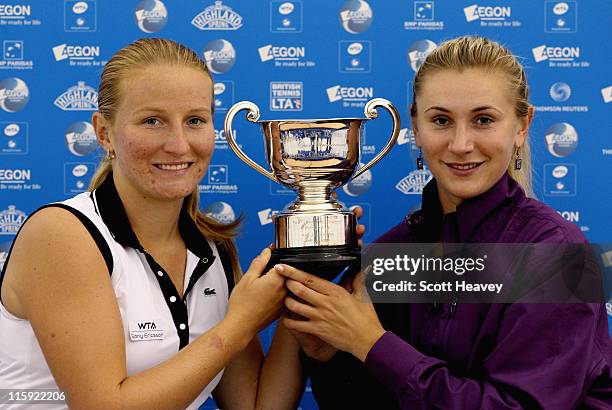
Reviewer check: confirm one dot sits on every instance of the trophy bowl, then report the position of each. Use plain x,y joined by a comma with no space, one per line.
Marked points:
313,157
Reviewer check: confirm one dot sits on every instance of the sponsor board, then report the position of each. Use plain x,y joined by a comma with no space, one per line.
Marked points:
13,137
221,212
217,17
559,56
561,139
80,15
606,94
151,15
286,95
224,95
13,56
17,179
5,248
77,176
80,97
14,94
221,142
414,182
561,16
491,16
219,55
350,96
218,181
80,138
78,55
356,16
285,56
574,217
17,14
560,180
423,17
354,56
286,16
418,52
360,185
266,216
560,92
11,220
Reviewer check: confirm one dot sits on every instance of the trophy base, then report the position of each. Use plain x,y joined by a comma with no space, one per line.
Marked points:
326,262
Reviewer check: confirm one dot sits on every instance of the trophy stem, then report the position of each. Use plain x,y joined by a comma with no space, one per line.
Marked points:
315,192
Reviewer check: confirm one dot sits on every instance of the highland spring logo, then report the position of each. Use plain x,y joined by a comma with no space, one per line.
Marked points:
80,97
414,182
11,220
217,17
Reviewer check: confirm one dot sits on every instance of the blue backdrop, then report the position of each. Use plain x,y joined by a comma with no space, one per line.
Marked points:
304,59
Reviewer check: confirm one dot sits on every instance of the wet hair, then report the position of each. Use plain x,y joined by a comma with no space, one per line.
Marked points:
478,52
141,54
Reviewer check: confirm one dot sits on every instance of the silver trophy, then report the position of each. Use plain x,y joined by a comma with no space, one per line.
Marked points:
313,157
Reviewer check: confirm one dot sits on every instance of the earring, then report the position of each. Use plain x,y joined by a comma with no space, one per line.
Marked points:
419,160
110,155
518,161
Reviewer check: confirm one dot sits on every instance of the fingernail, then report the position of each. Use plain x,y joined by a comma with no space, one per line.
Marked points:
279,268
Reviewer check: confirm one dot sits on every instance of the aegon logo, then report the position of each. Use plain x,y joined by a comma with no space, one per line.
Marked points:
15,176
220,135
270,52
544,52
337,93
14,10
65,51
572,216
476,12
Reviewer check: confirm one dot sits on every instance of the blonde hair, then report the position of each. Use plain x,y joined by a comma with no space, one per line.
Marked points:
141,54
478,52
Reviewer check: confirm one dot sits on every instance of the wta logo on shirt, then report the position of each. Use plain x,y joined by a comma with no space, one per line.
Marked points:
145,330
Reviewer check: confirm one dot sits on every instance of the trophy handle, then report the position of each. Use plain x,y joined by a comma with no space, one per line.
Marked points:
252,116
370,113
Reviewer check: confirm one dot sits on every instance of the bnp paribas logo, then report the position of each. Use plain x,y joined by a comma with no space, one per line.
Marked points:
218,17
11,220
80,97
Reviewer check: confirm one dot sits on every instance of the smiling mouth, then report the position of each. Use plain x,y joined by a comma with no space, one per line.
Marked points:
466,166
173,167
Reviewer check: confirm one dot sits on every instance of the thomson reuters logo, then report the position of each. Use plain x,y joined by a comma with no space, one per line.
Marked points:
560,92
81,97
65,51
476,12
543,53
151,15
14,94
356,16
339,93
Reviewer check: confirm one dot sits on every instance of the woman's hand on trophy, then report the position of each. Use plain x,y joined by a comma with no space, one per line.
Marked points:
313,346
257,299
347,321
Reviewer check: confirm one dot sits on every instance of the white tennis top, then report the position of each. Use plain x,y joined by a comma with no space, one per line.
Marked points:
157,322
